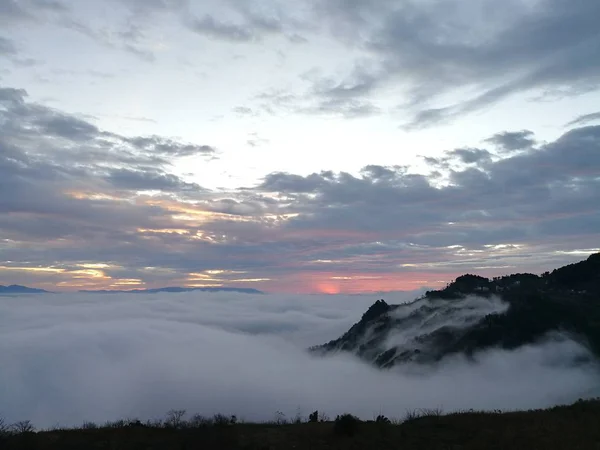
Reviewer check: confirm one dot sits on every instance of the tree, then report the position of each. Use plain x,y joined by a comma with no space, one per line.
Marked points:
346,425
175,418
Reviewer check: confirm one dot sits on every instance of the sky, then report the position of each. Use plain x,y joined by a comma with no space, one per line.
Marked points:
314,146
69,358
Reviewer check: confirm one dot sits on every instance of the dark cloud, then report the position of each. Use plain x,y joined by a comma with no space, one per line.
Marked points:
138,180
61,175
534,196
584,119
498,49
471,155
513,141
66,127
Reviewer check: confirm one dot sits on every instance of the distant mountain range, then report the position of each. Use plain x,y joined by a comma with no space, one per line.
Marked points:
17,289
177,290
475,313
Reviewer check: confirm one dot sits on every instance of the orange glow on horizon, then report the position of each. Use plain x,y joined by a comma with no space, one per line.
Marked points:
328,288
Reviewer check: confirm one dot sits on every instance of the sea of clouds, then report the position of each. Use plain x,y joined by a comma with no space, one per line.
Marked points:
70,358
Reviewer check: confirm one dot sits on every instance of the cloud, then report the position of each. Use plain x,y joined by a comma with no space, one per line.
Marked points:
348,98
53,5
517,199
514,140
11,10
72,358
130,38
65,179
169,147
14,11
493,49
471,155
584,119
7,47
72,194
137,180
209,26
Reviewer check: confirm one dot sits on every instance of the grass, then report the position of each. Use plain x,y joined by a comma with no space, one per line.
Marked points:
567,427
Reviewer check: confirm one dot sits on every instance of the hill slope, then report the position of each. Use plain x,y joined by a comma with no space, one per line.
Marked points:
559,428
17,289
474,313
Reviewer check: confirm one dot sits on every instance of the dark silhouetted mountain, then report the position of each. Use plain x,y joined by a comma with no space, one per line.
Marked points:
178,290
474,313
17,289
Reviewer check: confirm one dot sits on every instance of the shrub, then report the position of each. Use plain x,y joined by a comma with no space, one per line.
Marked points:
346,425
382,420
115,424
199,421
314,416
418,413
221,419
89,426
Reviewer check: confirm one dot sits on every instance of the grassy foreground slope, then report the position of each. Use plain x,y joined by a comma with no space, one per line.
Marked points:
566,427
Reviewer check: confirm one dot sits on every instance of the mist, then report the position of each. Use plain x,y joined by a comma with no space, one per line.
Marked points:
71,358
426,315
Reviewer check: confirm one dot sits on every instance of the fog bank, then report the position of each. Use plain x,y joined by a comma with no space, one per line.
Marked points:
70,358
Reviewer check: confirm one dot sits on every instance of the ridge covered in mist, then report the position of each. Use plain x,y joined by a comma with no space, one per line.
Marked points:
474,313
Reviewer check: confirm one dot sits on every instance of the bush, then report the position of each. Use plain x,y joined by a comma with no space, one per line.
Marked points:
313,417
383,420
199,421
346,425
323,417
221,420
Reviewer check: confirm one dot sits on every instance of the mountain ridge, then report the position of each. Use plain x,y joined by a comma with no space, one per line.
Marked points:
175,289
474,313
18,289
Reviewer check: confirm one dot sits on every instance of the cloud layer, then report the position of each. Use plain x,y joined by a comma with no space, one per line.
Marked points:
85,208
72,358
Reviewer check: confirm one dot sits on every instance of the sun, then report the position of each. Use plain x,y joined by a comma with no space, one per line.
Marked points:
328,288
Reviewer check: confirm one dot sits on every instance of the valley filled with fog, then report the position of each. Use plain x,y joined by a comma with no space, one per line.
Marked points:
66,358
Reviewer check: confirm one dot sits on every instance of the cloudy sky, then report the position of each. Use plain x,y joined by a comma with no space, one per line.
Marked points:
308,146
